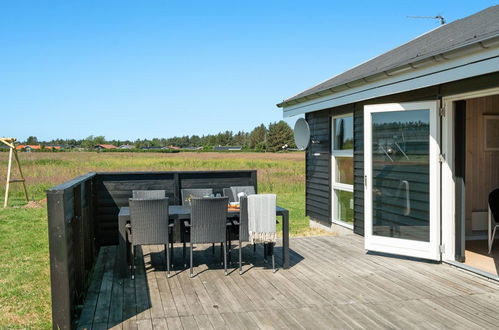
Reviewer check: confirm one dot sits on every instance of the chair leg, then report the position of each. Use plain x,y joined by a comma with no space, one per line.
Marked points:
271,252
230,247
221,253
225,258
254,248
184,247
190,272
492,239
213,248
128,253
171,252
167,253
132,250
183,254
128,250
240,258
265,252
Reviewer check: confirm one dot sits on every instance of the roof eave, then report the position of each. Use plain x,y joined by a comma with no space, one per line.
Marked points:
398,70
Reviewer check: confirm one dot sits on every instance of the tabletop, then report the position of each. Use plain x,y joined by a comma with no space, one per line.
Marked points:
184,211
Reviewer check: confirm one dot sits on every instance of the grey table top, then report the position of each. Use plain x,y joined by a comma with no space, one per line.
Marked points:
184,211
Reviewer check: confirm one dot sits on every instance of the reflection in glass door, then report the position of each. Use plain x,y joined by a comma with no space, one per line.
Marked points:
400,174
402,179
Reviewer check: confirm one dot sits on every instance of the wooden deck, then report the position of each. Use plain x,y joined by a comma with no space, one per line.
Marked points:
332,283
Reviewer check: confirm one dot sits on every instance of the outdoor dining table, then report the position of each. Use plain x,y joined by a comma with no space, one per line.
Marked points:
179,213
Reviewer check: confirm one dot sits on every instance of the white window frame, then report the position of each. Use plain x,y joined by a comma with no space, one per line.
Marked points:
337,185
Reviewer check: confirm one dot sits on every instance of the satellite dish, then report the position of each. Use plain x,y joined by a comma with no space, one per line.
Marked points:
302,133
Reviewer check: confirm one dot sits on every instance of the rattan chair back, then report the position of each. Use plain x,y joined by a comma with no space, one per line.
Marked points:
247,190
208,219
148,194
149,221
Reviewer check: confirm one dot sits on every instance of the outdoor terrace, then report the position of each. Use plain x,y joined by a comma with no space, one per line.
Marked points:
331,283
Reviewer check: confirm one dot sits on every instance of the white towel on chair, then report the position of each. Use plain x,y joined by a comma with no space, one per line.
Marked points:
262,218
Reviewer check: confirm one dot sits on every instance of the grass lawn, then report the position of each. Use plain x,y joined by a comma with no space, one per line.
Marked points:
24,271
25,275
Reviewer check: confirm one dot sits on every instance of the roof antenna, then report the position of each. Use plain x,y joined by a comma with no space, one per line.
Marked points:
439,17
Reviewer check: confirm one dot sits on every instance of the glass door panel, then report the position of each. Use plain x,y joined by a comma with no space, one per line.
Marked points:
400,171
402,179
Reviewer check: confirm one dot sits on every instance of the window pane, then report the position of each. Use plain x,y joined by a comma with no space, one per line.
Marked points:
344,206
343,133
344,170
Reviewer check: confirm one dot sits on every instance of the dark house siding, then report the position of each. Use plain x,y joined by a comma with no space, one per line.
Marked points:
358,170
318,168
316,181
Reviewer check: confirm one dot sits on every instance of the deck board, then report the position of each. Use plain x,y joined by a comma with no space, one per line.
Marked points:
332,283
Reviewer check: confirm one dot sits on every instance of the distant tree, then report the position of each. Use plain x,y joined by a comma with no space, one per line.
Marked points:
257,138
195,141
241,139
280,136
99,139
32,140
91,141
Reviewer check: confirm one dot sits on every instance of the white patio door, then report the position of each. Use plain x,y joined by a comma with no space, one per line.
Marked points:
402,179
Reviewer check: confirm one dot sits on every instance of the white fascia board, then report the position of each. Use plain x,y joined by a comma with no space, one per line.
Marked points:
480,63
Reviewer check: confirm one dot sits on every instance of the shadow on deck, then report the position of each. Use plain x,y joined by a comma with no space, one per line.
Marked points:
332,283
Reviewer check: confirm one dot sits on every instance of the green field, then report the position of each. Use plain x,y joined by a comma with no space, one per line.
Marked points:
24,274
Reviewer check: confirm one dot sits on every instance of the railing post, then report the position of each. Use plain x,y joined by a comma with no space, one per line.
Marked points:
59,230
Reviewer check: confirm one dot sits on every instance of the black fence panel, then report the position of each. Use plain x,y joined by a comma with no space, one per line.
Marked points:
72,246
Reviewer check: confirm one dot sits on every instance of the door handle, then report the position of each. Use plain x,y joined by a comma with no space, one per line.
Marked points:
407,197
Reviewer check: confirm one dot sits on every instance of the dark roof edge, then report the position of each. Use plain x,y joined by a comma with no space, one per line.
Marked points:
462,50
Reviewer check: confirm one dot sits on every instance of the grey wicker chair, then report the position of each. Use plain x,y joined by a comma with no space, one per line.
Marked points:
188,194
208,224
228,193
153,194
149,225
148,194
247,190
243,223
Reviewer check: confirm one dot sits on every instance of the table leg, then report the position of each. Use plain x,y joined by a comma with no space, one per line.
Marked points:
285,240
178,230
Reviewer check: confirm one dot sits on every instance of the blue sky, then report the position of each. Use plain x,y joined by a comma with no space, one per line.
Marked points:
143,69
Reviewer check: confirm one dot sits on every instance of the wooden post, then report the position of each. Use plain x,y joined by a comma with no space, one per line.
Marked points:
21,175
7,184
10,142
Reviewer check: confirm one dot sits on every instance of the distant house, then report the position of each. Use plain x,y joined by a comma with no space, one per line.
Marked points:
192,148
151,148
105,146
172,148
126,146
31,147
54,147
228,148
